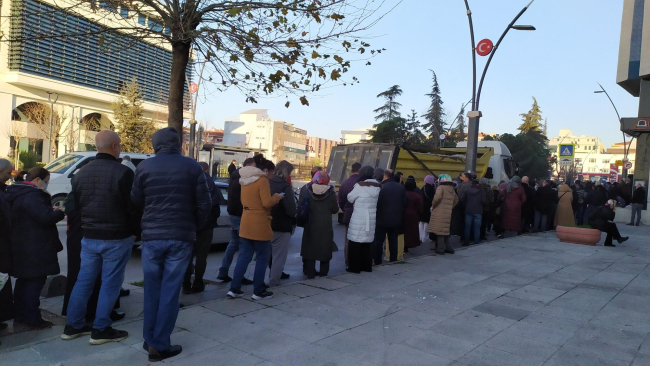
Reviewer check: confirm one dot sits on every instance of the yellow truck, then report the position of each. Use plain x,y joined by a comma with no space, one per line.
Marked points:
494,160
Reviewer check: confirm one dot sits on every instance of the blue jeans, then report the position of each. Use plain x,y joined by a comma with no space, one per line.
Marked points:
233,246
473,225
164,263
105,257
262,250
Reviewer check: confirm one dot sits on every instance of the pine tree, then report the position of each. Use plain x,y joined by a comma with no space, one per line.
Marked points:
532,121
413,134
457,133
435,124
390,109
134,130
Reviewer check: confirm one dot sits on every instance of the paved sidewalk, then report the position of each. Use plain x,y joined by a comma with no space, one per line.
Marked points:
528,300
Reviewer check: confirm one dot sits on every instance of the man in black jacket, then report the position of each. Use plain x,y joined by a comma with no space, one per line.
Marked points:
638,199
235,210
528,208
203,239
545,197
102,191
391,203
173,192
283,221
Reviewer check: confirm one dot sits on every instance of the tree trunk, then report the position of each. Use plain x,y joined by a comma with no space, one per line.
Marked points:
180,58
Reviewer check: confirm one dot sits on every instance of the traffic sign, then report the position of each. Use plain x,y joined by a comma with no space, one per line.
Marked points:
566,162
567,151
194,88
484,47
627,165
618,162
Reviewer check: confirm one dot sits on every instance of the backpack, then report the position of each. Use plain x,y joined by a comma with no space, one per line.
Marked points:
582,195
302,212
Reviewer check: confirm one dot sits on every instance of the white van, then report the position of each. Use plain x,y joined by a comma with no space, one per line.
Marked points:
63,168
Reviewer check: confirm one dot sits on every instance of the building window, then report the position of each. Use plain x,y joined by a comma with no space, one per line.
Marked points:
592,160
605,161
155,26
107,6
124,11
142,19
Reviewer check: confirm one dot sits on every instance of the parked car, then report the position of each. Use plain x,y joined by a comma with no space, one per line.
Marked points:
63,168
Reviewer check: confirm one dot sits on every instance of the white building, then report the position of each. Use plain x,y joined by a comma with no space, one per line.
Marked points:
355,136
255,129
83,74
592,158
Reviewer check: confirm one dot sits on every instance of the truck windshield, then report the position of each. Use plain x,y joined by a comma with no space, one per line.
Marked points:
508,167
63,163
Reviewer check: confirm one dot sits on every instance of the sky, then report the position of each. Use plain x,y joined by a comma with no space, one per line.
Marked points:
574,47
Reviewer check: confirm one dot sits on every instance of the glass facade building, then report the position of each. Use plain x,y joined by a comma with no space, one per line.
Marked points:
96,58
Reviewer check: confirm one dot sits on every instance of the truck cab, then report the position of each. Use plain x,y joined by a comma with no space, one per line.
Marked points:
501,164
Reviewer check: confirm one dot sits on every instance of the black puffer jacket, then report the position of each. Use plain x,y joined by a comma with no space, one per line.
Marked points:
102,193
172,191
235,207
284,213
5,230
600,217
215,212
34,236
473,199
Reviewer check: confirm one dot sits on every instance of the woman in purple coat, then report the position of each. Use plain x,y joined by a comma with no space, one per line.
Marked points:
513,196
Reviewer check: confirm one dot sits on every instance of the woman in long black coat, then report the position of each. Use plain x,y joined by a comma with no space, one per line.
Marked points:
428,191
34,244
6,297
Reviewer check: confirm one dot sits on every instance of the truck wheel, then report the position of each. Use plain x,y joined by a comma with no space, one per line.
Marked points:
57,201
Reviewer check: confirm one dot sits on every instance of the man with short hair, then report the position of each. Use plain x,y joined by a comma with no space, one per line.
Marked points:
391,203
174,194
232,167
345,206
235,210
203,239
126,160
638,199
102,191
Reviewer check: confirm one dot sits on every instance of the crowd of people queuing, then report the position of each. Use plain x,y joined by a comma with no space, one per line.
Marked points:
171,204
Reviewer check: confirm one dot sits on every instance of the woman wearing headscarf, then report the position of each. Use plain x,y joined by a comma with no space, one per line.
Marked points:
442,205
34,244
318,236
513,197
564,213
428,191
361,232
411,215
6,297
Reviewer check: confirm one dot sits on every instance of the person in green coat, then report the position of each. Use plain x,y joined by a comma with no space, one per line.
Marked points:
318,235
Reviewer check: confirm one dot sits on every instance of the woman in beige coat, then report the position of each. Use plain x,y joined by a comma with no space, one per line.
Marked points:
564,213
443,202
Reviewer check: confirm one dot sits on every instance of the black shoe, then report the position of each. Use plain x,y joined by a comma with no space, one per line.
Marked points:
117,315
439,252
124,292
233,294
224,279
637,225
285,276
187,288
263,296
246,281
629,224
483,238
70,333
198,287
449,251
609,245
465,244
108,335
39,325
145,346
155,356
622,239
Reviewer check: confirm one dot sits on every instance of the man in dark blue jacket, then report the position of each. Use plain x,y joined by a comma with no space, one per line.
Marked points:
391,203
203,239
102,191
173,192
345,206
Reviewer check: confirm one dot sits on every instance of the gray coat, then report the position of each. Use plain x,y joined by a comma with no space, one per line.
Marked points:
318,236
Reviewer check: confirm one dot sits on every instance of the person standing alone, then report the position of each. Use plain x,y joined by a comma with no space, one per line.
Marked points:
174,195
102,194
638,199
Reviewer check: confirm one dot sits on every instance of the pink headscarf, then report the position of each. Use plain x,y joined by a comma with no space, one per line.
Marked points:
321,178
429,179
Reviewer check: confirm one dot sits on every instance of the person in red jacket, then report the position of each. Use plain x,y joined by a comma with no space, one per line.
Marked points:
514,197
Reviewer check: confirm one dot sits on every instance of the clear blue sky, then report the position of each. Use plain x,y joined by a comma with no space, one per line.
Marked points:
574,47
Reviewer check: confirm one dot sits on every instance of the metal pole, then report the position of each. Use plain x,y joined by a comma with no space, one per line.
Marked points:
624,172
472,125
474,120
49,98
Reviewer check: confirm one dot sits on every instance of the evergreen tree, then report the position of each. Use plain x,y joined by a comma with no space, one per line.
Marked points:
435,124
134,130
413,135
457,133
389,131
390,109
532,121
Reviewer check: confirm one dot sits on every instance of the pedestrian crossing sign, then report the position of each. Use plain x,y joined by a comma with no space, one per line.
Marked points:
567,151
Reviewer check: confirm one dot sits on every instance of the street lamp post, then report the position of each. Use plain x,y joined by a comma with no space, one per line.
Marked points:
475,114
625,150
49,98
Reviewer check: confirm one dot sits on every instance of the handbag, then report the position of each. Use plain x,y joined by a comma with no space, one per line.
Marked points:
302,213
